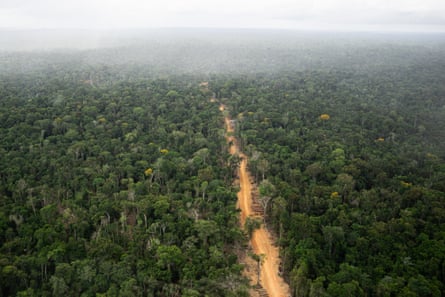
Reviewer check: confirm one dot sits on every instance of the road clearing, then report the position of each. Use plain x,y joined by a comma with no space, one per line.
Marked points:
262,242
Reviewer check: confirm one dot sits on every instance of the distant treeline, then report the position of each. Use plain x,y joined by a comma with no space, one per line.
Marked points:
172,52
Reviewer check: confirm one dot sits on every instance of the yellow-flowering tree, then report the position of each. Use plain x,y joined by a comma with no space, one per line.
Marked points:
335,195
148,171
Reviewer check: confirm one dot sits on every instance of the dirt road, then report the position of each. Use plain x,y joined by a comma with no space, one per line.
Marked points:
262,242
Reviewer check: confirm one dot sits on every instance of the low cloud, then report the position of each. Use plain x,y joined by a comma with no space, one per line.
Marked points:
28,14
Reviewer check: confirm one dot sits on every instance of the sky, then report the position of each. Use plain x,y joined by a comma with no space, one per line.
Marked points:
344,15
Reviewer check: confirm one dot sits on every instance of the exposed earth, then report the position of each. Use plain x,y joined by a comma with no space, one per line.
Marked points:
261,242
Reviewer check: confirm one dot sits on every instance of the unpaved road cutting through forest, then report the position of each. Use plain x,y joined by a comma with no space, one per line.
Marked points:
261,239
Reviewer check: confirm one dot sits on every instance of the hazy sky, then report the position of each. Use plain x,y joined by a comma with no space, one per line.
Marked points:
393,15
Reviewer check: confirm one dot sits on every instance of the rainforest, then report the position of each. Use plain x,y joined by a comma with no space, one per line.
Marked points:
122,166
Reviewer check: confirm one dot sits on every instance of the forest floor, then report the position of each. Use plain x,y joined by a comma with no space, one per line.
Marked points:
261,241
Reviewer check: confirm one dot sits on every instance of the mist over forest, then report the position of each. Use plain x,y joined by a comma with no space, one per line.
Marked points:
206,51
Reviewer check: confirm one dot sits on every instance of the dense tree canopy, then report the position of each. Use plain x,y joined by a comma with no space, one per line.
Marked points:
119,190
